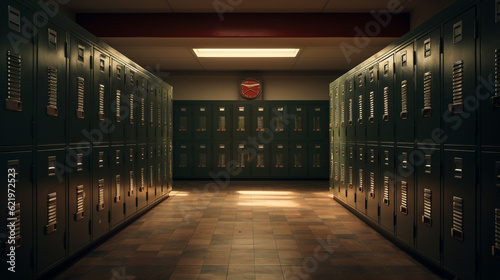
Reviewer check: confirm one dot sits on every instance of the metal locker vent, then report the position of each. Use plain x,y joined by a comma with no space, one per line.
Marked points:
342,90
457,229
143,110
342,114
350,112
183,123
143,186
14,19
13,101
385,117
351,182
386,158
372,185
131,105
371,118
279,160
351,85
222,160
260,160
159,116
404,198
101,160
342,173
279,124
202,160
360,119
15,215
151,114
132,79
100,200
428,164
427,216
361,154
496,98
131,186
151,176
317,124
458,75
117,188
427,110
336,171
80,110
80,201
51,213
298,160
118,105
100,113
404,99
457,32
337,114
316,160
241,123
386,190
360,180
298,123
52,90
360,80
51,166
117,156
202,123
79,162
495,250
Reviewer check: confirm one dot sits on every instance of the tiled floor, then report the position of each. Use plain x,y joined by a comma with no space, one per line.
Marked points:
248,230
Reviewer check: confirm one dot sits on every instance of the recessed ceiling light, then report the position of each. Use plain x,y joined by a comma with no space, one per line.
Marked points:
246,52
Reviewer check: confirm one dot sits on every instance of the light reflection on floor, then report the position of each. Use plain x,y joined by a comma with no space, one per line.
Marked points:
267,198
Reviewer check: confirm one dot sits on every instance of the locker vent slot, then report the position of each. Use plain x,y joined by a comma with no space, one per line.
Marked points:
404,198
241,123
118,105
101,160
336,171
351,85
279,160
427,216
372,155
241,160
202,160
52,166
342,114
14,19
100,201
457,106
117,188
52,90
298,124
404,59
222,123
260,123
100,113
386,158
222,160
80,201
158,120
279,124
151,176
360,80
183,123
131,186
427,110
337,114
117,157
457,32
372,185
158,175
351,152
202,124
342,174
457,162
118,72
350,112
79,162
404,99
495,250
52,40
427,47
360,119
298,160
13,101
131,106
372,107
132,79
260,160
360,180
386,68
404,162
496,98
51,213
351,182
457,229
143,185
428,164
385,117
386,190
102,65
361,154
15,215
317,124
151,114
143,110
342,90
316,160
80,112
81,53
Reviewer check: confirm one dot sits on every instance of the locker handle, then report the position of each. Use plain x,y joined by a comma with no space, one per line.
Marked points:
458,168
495,101
50,228
386,201
457,234
79,216
403,210
495,252
13,105
426,220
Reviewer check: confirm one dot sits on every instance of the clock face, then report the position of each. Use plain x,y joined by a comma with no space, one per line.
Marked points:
250,89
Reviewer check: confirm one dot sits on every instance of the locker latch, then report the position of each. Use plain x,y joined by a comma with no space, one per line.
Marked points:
52,39
386,158
427,47
457,32
404,161
52,165
428,166
458,168
495,249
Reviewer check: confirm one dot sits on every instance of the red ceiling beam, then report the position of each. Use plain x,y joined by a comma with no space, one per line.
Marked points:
246,25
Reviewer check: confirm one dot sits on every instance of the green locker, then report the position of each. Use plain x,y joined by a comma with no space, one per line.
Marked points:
343,162
130,184
331,127
260,164
222,156
17,67
385,100
405,95
362,101
372,96
280,120
387,182
350,174
131,105
405,194
336,169
428,78
170,109
100,116
363,180
336,112
260,120
490,214
202,159
318,159
118,96
279,159
80,88
51,209
183,159
298,122
318,121
171,165
101,198
459,206
165,169
79,198
164,113
17,212
141,95
51,85
158,112
152,116
351,103
159,170
241,121
202,117
183,122
342,108
152,173
244,156
428,218
298,160
118,185
372,182
459,70
222,121
142,176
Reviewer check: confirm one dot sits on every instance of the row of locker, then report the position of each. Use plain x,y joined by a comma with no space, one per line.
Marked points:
61,201
241,159
283,120
62,86
439,87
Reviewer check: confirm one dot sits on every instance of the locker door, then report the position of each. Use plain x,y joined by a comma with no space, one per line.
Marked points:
118,184
318,121
318,160
459,79
361,172
241,121
142,176
183,159
387,195
372,95
298,159
164,112
280,121
260,165
405,194
222,121
165,169
153,173
279,159
343,162
118,97
141,109
79,193
170,108
130,99
428,218
244,156
260,119
490,56
158,113
158,175
130,183
202,159
336,112
183,121
362,101
405,95
80,88
428,97
490,214
298,123
386,114
51,103
17,66
51,209
372,182
459,225
100,191
351,103
152,116
171,165
222,155
336,169
202,117
351,178
331,100
101,116
16,167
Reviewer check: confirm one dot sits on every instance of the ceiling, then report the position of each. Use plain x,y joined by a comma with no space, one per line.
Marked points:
169,54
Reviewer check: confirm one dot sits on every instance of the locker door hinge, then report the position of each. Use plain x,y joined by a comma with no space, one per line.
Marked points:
378,210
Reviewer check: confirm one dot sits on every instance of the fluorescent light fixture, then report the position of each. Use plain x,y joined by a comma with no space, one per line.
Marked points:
246,52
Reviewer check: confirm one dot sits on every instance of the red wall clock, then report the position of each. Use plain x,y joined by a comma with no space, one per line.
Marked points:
250,89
